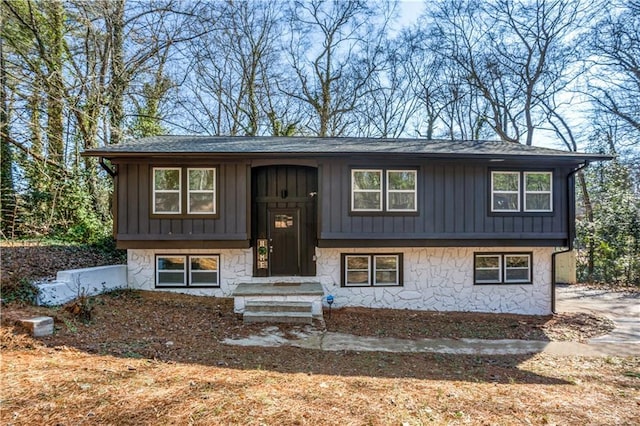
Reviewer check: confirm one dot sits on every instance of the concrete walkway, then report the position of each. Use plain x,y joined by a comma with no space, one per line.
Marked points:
308,338
622,308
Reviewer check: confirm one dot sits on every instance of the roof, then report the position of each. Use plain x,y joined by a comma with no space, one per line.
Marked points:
163,146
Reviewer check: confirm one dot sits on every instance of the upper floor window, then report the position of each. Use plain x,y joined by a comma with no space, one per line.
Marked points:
377,190
508,189
167,192
202,193
199,197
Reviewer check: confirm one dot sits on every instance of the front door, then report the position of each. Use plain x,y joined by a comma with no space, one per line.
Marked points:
284,220
284,241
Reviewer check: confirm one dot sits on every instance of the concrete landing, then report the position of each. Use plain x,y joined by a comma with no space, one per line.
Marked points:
278,288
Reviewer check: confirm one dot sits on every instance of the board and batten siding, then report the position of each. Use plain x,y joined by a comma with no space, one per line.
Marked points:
453,204
135,222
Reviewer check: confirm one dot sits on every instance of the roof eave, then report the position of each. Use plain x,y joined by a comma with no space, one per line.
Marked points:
454,156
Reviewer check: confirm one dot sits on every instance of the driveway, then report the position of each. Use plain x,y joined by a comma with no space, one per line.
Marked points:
621,307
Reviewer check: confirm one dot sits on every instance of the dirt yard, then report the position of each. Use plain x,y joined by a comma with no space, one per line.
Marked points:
149,358
157,358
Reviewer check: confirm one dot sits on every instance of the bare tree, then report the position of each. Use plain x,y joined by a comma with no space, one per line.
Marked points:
615,83
234,67
335,48
513,53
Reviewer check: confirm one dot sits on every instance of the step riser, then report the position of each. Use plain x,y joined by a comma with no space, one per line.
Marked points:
269,308
280,319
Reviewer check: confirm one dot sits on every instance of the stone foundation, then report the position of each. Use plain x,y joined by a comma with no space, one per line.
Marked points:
235,265
435,279
441,279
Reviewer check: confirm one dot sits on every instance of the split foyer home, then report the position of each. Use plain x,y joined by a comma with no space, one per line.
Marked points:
390,223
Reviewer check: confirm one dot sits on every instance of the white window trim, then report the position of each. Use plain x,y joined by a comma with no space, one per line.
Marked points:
217,270
159,271
201,191
550,192
494,191
187,272
403,191
375,270
528,268
354,191
502,272
371,269
499,268
347,270
167,191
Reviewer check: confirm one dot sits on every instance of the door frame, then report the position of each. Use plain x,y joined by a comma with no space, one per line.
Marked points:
287,187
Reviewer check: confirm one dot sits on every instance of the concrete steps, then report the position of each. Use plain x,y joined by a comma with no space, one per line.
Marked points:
279,300
289,312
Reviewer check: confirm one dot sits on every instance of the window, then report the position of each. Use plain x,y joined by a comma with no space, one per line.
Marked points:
187,271
502,268
202,197
401,190
169,197
535,187
171,271
537,192
366,270
366,190
488,268
505,191
398,186
166,190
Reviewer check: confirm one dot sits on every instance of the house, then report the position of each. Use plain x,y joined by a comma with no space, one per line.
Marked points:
391,223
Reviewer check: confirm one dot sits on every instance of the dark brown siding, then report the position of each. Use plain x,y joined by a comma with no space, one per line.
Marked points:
136,224
453,204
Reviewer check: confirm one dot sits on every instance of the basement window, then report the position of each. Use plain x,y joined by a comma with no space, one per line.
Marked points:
174,271
502,268
368,270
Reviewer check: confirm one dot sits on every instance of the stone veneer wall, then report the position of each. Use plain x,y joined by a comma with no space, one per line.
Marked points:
441,279
438,279
235,265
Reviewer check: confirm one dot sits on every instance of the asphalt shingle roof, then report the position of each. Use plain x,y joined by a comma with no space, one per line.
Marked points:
313,146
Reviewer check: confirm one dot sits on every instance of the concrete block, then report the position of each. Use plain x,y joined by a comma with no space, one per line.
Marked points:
38,326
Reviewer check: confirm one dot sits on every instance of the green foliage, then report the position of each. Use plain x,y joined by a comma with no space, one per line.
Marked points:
60,206
19,291
611,242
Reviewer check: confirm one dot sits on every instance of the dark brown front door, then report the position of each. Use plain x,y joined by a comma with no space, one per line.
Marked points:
284,240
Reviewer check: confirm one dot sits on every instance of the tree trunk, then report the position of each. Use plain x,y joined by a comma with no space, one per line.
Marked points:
7,189
55,86
118,78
